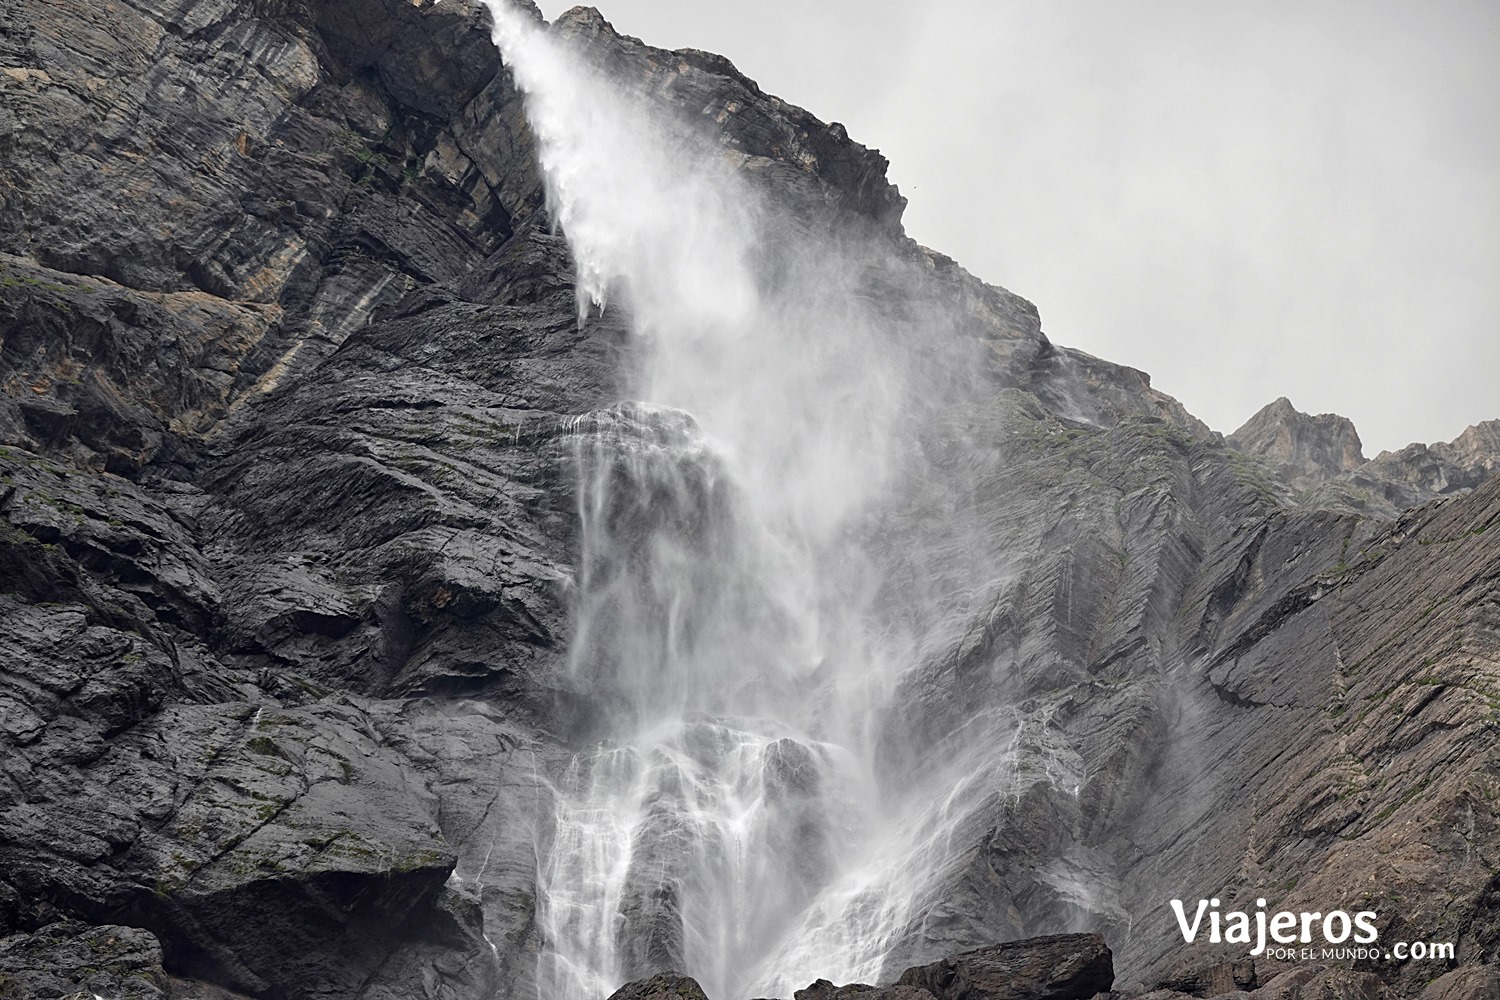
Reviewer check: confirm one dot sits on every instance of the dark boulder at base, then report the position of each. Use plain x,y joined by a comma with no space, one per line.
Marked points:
825,990
662,986
69,957
1056,967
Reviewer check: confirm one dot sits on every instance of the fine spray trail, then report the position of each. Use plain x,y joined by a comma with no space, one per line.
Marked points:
732,823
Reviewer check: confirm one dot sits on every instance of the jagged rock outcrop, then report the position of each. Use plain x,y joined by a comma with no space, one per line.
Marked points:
810,162
1309,448
290,379
1321,456
1443,468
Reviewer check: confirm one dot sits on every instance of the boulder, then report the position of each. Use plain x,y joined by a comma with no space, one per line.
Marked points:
825,990
662,986
68,958
1057,967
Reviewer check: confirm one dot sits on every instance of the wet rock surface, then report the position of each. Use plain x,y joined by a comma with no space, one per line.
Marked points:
292,377
68,957
1061,967
825,990
662,986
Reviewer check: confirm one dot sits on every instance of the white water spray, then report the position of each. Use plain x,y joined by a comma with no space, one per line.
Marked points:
731,824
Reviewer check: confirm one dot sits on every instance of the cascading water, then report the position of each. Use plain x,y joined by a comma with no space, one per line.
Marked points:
731,822
700,827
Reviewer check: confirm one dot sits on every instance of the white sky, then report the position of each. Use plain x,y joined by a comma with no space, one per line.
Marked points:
1246,200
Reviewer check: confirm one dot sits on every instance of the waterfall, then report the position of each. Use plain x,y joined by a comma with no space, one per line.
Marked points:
731,822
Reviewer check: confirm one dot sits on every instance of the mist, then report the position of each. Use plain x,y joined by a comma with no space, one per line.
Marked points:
1247,203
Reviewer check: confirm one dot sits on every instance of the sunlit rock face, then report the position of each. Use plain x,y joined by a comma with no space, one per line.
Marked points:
484,525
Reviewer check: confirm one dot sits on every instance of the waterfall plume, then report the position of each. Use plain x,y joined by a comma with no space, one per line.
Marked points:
735,819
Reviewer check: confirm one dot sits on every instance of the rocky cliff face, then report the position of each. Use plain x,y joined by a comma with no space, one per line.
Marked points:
1321,457
1309,448
292,366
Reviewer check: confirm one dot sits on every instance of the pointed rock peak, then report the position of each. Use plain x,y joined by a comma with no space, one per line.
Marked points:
1311,447
1283,409
585,24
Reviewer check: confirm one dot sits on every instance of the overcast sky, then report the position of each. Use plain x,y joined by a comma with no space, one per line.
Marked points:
1246,200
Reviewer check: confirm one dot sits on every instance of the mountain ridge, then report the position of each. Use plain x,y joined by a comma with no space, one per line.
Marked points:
1310,451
